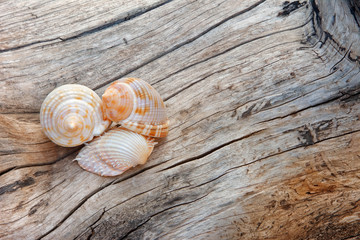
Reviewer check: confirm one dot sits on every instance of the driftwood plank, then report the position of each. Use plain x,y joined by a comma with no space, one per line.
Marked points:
263,98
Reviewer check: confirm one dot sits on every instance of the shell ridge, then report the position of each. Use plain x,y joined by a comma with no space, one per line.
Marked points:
70,115
148,116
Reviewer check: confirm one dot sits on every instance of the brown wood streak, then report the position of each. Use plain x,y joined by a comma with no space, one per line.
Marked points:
263,98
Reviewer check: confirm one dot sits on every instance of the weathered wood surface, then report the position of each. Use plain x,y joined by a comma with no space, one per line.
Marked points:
263,98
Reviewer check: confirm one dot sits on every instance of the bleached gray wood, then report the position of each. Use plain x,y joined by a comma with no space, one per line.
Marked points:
263,98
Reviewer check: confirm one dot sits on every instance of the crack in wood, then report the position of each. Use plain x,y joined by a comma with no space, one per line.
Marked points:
334,68
317,27
354,11
87,197
213,73
211,150
39,164
338,96
136,173
232,48
92,225
160,212
27,202
135,196
108,209
177,46
290,7
293,148
93,30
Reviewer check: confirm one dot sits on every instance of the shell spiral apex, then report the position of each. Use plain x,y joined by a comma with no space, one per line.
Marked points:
137,106
72,114
116,151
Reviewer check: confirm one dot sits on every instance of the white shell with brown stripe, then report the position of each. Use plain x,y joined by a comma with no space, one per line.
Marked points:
72,114
137,106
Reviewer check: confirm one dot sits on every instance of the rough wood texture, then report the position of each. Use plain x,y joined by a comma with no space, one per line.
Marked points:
263,98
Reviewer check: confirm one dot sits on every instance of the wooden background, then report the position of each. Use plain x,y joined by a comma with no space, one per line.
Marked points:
263,99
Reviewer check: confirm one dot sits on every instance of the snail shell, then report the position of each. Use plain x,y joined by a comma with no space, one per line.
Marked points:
137,106
72,114
116,151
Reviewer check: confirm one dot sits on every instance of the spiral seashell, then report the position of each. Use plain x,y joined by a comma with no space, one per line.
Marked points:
116,151
72,114
137,106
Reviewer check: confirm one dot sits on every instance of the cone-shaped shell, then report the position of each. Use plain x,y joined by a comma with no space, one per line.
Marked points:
137,106
116,151
72,114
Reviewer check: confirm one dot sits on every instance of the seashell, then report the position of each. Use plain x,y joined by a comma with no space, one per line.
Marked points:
116,151
137,106
72,114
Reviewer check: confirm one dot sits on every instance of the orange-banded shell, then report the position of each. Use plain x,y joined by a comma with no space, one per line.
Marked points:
137,106
72,114
116,151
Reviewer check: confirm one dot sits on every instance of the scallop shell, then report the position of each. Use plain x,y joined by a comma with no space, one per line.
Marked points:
137,106
116,151
72,114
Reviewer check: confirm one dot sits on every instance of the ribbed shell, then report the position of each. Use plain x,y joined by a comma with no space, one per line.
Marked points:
116,151
137,106
72,114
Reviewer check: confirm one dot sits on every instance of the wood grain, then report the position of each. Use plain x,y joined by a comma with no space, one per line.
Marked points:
263,99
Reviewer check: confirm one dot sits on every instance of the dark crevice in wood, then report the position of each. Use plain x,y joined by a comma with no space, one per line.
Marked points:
325,35
20,113
212,180
334,68
117,21
92,225
177,46
160,212
234,66
108,209
289,150
354,10
94,193
352,237
230,49
29,44
290,7
316,20
189,3
209,75
47,191
136,173
6,171
193,124
136,195
193,83
39,164
266,157
211,151
339,96
87,197
93,30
